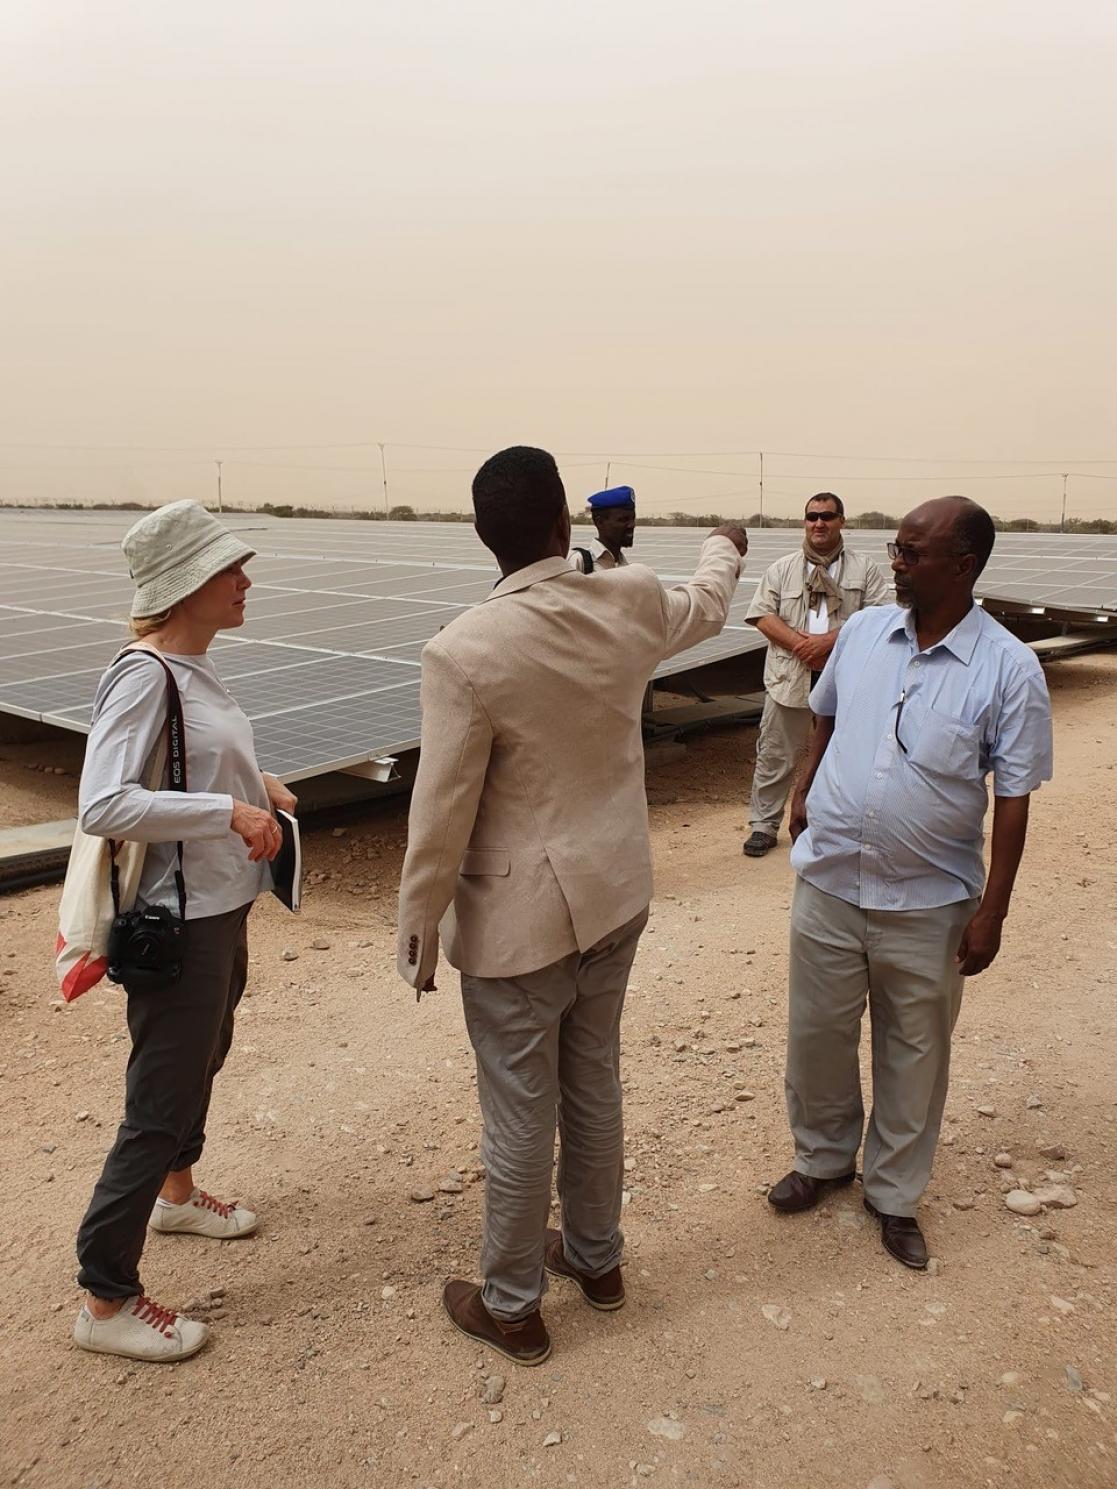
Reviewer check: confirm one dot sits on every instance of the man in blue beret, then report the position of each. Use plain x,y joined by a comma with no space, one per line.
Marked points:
614,515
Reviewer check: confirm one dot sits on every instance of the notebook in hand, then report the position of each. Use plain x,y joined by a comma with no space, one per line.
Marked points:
287,865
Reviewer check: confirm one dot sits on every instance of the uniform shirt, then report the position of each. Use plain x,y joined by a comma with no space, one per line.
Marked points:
602,559
782,591
889,830
129,717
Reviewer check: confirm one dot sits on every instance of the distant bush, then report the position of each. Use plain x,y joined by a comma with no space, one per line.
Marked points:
406,513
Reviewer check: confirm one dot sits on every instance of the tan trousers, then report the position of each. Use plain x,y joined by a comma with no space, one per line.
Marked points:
903,963
548,1047
783,737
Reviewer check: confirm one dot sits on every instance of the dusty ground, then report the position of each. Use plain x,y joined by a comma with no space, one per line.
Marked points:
331,1361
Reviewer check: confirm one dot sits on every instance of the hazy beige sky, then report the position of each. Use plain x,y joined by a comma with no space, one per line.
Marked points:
844,227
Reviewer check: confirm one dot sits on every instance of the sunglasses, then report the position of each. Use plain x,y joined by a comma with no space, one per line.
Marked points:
821,517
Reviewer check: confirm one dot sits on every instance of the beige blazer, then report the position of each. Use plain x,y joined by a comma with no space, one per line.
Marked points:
782,592
528,834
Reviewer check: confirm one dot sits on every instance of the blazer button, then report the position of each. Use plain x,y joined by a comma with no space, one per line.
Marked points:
412,961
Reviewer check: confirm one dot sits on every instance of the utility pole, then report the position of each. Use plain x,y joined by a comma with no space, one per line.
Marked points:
1063,518
761,453
608,468
219,464
384,476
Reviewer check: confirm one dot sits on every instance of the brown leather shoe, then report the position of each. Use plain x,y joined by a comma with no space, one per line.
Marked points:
902,1238
797,1191
605,1292
526,1342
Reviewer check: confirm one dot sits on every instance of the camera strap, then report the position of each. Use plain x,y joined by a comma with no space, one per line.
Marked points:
176,776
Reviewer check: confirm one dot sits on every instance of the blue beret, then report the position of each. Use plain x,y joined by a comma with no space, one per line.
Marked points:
616,496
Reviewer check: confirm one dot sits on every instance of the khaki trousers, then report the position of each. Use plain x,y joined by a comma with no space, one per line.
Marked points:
782,739
548,1047
903,963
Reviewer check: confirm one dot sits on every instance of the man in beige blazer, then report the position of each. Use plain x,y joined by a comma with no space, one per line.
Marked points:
528,850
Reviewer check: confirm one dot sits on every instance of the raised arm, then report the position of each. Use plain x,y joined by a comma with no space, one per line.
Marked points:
697,610
453,758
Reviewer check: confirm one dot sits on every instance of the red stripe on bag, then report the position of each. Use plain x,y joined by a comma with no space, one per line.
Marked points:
83,975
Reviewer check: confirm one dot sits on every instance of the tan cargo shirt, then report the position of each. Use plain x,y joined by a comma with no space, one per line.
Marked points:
782,592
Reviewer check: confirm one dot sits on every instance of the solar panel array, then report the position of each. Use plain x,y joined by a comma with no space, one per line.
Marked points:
327,663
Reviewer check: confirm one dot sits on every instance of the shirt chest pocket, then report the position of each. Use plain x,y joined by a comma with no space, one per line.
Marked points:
486,861
941,743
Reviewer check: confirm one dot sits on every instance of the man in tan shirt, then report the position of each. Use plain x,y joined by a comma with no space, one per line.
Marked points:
799,607
528,851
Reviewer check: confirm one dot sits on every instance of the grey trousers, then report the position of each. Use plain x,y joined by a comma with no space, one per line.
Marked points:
783,736
548,1047
181,1034
903,963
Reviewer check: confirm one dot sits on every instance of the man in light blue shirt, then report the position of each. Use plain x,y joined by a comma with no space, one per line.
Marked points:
918,703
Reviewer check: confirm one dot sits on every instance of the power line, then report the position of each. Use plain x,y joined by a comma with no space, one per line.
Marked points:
865,476
936,460
207,448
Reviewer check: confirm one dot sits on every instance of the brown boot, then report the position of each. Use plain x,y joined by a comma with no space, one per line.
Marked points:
526,1342
605,1292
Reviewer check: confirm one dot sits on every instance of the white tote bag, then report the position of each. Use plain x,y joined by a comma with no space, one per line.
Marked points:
86,911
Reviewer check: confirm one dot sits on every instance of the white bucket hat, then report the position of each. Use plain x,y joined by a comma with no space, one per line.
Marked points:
173,551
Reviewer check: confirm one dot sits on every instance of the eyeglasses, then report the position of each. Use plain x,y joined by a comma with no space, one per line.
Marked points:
903,551
822,517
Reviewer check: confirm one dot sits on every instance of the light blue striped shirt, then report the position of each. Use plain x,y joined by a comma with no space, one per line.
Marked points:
889,830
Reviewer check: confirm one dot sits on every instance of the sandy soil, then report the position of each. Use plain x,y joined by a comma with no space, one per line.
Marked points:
39,780
331,1360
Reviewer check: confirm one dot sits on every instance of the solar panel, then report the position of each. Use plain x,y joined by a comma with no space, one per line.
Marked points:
35,631
296,743
327,663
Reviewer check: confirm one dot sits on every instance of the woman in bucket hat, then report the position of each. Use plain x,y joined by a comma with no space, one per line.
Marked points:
190,584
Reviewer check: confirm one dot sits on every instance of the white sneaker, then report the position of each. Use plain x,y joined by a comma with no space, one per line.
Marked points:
141,1331
202,1215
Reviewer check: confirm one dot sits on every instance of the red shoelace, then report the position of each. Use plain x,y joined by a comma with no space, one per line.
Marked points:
160,1318
206,1201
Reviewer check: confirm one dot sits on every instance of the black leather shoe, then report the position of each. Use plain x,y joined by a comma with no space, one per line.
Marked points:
797,1191
902,1238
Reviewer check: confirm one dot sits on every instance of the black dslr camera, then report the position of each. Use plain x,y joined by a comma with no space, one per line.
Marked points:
145,949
